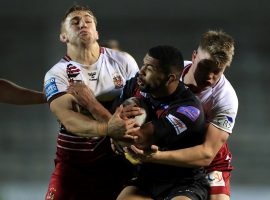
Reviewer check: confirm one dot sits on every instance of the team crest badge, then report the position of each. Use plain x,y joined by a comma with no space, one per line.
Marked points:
215,178
72,71
118,81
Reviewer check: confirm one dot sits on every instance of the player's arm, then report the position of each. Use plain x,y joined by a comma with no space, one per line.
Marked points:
84,126
161,131
14,94
86,98
200,155
75,122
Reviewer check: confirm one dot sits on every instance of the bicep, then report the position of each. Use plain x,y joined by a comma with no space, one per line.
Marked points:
215,138
63,106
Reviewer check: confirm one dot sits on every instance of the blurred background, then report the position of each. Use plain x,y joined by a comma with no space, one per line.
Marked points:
30,47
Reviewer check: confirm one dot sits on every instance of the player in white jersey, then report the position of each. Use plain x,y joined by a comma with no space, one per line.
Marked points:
12,93
204,76
85,165
220,104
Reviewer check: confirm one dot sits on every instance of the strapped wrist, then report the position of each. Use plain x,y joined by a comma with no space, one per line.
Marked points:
102,129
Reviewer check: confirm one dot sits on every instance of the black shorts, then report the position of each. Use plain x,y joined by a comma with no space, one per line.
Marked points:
195,190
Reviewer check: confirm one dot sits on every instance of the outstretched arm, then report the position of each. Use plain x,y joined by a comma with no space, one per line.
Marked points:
13,94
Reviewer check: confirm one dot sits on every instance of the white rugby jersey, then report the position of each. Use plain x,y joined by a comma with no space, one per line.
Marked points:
220,102
105,78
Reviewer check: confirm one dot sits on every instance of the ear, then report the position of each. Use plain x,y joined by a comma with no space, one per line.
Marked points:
97,35
63,37
194,54
171,78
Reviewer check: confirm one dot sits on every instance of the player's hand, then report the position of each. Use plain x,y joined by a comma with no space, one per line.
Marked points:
144,136
116,147
136,155
82,93
118,127
130,111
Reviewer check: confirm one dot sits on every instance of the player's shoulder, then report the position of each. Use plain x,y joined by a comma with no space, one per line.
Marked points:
187,63
224,90
119,56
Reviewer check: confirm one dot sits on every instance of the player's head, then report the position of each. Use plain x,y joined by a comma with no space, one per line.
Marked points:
78,22
213,56
161,70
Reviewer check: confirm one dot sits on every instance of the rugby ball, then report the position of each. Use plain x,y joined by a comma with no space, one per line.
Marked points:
140,119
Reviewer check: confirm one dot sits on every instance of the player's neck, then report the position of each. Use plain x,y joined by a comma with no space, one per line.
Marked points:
165,91
189,79
87,55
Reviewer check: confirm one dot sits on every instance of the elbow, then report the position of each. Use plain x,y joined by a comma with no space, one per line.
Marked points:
206,162
208,157
70,127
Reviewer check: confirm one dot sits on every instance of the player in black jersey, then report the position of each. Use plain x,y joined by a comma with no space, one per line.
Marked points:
176,122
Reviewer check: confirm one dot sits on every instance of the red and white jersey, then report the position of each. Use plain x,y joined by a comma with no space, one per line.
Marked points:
106,78
220,105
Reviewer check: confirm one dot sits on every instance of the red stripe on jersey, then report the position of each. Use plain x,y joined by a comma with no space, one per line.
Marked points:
67,58
76,143
185,70
101,50
56,96
76,150
72,69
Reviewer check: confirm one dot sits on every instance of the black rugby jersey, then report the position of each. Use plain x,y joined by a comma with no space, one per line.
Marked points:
179,123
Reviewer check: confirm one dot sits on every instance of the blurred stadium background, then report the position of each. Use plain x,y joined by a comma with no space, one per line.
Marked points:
30,46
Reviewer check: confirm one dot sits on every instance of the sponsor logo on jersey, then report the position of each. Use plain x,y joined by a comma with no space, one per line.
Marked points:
92,75
72,71
190,111
225,121
118,81
50,87
178,125
230,119
215,178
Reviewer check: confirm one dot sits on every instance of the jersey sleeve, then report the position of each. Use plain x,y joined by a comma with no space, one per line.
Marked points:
55,83
131,66
181,126
224,118
224,111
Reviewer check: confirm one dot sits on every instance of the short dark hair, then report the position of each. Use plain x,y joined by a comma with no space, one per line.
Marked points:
170,58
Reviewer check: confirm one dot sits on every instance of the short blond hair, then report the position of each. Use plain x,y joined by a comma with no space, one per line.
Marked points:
219,45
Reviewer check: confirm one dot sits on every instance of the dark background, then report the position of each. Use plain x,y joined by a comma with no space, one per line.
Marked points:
29,47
